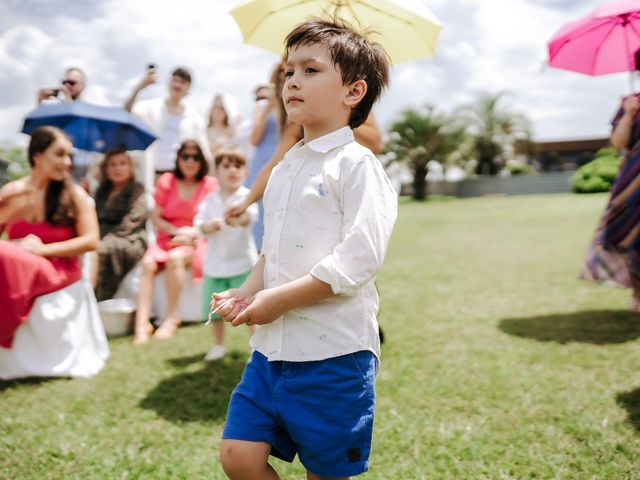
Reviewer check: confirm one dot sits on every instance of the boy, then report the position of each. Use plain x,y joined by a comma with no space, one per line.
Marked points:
329,211
231,250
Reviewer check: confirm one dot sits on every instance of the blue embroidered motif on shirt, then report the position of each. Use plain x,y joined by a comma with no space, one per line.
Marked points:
321,191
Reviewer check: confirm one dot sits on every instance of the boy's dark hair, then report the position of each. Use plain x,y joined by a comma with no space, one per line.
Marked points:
352,53
183,73
204,165
232,153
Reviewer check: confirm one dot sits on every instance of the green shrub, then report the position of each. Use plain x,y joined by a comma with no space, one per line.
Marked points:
597,175
520,169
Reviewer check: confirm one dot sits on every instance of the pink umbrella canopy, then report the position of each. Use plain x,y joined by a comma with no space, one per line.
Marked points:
602,42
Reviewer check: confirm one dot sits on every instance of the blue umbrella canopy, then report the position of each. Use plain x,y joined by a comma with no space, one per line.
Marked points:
94,128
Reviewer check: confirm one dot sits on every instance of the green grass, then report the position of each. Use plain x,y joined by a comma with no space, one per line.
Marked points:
499,364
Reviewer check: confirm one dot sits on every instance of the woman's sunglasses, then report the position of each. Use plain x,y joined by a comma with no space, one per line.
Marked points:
71,83
189,156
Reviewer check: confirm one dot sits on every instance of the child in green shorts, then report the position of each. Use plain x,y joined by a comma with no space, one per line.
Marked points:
231,250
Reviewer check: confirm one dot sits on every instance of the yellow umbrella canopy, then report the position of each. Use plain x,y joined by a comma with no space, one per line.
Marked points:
407,30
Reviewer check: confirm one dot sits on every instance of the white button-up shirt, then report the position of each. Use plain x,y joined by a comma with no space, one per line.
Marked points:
231,251
329,209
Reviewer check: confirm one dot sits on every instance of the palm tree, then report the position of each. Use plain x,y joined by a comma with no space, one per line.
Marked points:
493,131
420,136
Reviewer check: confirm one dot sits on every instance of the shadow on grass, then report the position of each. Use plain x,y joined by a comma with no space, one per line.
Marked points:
30,381
200,396
600,327
631,403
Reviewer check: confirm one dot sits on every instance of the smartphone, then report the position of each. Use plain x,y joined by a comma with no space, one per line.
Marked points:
151,66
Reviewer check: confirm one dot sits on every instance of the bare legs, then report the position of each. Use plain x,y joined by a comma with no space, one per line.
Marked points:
143,327
176,266
242,460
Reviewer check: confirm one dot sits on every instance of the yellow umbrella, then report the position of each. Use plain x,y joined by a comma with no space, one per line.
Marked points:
407,30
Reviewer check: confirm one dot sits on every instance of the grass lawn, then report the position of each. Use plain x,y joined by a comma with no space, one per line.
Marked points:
499,364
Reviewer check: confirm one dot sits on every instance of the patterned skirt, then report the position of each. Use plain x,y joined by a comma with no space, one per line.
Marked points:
614,255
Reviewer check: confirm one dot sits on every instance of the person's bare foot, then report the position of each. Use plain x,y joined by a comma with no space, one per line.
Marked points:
141,335
167,329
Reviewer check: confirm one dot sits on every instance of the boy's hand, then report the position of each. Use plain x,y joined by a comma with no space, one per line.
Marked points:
241,220
229,303
263,308
212,225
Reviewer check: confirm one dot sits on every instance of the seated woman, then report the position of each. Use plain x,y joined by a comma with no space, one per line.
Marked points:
122,214
49,322
177,197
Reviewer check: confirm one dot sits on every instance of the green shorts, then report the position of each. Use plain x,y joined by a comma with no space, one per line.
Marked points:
212,285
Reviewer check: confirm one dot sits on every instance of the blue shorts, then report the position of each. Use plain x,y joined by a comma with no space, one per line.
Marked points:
321,410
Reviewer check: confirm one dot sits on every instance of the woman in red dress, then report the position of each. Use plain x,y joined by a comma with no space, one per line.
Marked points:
177,196
49,222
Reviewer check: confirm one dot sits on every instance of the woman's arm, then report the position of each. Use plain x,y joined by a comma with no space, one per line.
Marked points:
160,223
622,131
290,136
87,230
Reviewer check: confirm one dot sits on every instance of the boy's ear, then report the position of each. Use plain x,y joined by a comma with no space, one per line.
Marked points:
355,93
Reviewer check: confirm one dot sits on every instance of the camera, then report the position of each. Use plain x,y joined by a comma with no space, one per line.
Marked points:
55,92
151,66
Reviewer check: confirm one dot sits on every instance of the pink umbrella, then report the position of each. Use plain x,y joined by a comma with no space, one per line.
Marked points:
599,43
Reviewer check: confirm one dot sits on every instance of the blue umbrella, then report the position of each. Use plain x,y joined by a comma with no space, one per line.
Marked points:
94,128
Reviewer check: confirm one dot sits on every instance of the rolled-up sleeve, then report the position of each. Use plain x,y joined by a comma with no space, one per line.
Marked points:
369,205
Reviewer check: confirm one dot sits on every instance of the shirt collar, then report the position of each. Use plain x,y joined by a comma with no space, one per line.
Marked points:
337,138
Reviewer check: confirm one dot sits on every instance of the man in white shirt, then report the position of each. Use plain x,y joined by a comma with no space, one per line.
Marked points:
73,83
173,121
329,212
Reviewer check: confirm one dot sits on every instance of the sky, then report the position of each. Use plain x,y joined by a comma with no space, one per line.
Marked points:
486,46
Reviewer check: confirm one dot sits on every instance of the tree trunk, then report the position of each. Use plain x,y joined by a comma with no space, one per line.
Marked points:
420,182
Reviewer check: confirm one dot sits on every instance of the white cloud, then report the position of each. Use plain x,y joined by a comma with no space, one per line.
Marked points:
486,45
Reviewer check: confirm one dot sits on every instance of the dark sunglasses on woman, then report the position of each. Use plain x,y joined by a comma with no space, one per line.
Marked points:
188,156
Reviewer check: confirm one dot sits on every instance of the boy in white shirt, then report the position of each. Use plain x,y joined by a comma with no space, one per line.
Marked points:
231,250
329,211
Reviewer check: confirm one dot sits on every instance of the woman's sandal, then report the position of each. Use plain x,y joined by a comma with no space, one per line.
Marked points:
167,329
142,334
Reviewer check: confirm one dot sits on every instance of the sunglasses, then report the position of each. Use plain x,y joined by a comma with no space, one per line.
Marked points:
188,156
71,83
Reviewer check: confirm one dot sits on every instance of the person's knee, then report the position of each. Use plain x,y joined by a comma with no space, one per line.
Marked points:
175,259
149,265
238,462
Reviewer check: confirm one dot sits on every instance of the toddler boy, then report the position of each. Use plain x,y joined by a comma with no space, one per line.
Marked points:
231,250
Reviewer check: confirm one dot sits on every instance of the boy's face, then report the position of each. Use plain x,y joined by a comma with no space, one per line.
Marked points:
231,173
313,93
